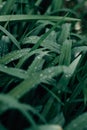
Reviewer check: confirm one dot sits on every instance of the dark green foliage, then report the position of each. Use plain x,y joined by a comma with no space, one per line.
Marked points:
43,65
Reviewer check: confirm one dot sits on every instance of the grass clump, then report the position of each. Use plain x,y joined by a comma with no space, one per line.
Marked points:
43,67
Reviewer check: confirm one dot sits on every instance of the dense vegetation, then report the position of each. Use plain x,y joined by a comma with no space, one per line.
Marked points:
43,64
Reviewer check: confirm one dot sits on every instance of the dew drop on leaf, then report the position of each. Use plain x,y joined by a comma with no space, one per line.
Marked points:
41,75
38,57
5,67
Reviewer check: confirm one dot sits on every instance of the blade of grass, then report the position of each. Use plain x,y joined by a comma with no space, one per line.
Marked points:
65,56
43,37
37,63
11,37
14,55
56,4
64,33
7,7
19,73
64,80
30,108
5,18
25,57
47,106
53,95
35,79
7,102
50,45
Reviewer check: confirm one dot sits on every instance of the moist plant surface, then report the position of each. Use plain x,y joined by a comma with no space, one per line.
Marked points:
43,64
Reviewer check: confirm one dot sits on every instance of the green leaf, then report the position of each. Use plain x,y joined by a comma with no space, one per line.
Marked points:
37,63
53,95
6,9
30,108
65,78
79,49
56,4
7,102
19,73
36,78
74,64
64,33
43,37
25,57
5,18
65,56
11,37
48,44
14,55
42,76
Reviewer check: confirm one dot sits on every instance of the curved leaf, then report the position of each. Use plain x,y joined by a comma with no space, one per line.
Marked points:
19,73
36,78
11,37
9,18
48,44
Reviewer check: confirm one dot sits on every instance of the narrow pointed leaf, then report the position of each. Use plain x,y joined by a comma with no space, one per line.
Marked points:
19,73
11,37
14,55
64,33
36,78
5,18
65,56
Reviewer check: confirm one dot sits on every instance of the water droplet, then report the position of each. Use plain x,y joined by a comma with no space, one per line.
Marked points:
41,75
38,57
59,91
5,67
12,59
35,68
67,75
68,100
33,85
